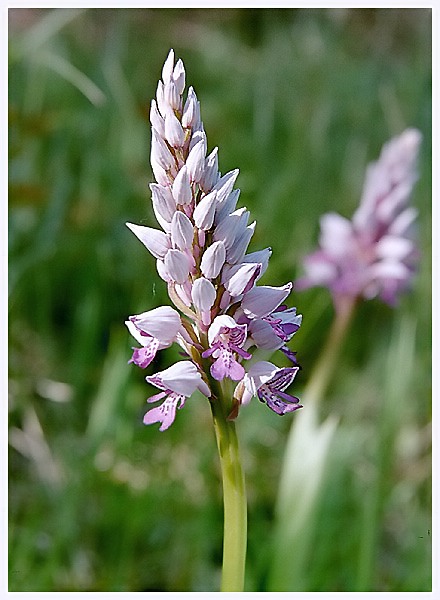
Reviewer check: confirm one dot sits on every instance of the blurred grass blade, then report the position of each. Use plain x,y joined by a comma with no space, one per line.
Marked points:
31,442
304,463
113,382
397,382
47,27
76,77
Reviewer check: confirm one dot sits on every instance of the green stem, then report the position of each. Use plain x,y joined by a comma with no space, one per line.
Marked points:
234,498
324,368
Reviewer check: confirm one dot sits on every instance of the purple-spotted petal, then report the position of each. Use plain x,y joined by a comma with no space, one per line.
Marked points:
226,324
280,405
282,378
165,413
142,357
225,365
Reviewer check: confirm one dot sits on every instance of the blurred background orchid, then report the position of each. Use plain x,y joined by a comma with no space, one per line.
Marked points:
302,100
374,254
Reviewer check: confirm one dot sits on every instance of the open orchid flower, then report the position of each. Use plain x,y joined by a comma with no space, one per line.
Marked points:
226,340
268,383
178,382
200,250
374,253
154,330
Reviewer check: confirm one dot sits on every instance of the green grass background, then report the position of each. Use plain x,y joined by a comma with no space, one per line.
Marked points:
300,100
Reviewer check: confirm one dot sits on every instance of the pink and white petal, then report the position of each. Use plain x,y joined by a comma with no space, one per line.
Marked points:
182,231
182,192
213,260
239,279
263,335
260,256
177,265
205,210
259,373
336,234
389,269
156,241
203,294
182,378
162,323
260,301
394,247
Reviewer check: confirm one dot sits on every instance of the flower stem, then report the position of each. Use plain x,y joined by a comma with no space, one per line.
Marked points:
234,499
329,355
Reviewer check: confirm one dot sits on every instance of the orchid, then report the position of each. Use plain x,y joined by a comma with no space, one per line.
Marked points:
154,330
226,340
178,382
374,253
222,314
200,251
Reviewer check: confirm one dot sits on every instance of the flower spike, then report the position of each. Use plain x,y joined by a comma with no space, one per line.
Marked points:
374,253
200,251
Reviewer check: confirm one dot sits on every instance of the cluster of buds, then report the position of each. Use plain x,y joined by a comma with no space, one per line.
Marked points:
201,255
374,254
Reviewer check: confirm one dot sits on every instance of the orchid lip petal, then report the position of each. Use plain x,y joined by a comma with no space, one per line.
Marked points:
165,413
